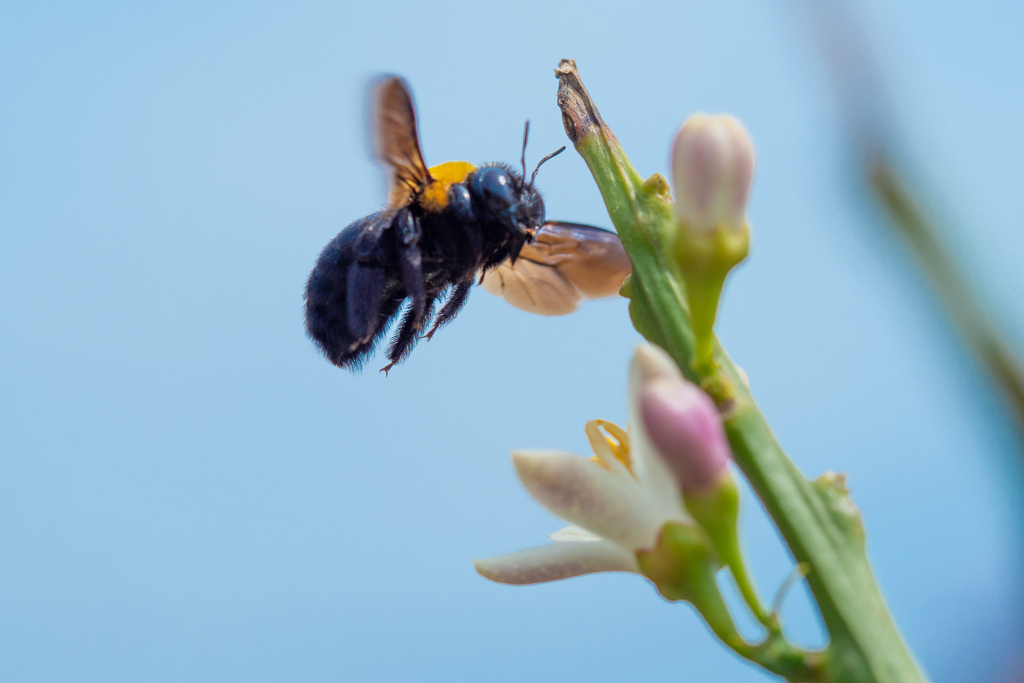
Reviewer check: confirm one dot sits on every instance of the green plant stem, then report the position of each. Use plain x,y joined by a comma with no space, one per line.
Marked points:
738,568
683,567
774,653
702,295
717,511
817,519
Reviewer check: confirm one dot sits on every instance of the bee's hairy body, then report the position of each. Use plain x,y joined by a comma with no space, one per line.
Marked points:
445,226
464,221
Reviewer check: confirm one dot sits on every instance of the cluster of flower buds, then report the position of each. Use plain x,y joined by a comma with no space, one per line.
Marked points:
712,170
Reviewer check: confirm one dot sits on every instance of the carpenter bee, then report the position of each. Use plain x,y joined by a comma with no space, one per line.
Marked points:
445,228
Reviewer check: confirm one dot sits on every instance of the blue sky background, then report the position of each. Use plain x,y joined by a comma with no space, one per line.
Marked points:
189,492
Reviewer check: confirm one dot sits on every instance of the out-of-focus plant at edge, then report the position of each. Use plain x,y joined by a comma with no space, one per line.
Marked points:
885,166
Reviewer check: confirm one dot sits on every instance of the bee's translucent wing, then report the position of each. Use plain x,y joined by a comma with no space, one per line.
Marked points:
565,263
397,142
533,287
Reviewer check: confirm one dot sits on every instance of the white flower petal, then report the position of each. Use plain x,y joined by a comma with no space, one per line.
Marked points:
649,363
556,561
581,492
573,533
659,483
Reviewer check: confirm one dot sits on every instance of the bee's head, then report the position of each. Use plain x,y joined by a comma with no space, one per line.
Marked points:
511,200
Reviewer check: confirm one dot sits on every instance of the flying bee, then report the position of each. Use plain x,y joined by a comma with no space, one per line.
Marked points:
445,228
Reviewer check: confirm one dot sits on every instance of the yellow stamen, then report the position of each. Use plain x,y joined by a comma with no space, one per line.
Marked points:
609,441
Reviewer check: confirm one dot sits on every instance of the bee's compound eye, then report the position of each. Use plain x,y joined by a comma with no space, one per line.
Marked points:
494,187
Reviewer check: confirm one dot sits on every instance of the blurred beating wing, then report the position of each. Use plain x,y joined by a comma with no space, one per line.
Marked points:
398,144
565,263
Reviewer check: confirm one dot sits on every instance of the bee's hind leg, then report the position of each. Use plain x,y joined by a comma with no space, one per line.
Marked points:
451,307
407,336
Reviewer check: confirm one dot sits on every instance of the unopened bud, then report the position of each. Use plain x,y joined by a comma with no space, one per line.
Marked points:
685,428
712,169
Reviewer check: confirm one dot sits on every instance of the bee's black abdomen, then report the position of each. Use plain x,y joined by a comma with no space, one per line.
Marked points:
418,252
349,297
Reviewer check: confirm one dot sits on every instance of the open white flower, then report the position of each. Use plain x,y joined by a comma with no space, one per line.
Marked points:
617,502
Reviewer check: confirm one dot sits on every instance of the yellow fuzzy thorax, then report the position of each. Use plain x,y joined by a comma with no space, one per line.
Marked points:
434,197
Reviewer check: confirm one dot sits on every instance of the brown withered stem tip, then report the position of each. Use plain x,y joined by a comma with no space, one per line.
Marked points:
579,115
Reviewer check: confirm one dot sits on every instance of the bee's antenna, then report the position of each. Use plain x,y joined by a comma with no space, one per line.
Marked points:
526,134
541,163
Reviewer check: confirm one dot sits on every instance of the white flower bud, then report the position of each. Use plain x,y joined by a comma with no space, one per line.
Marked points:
712,169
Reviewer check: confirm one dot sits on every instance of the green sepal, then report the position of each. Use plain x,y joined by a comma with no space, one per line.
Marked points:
682,565
705,259
717,511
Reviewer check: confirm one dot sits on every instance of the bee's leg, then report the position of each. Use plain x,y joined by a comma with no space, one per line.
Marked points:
460,205
451,307
408,231
406,337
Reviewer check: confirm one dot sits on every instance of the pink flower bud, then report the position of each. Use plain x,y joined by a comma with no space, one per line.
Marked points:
712,169
684,426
